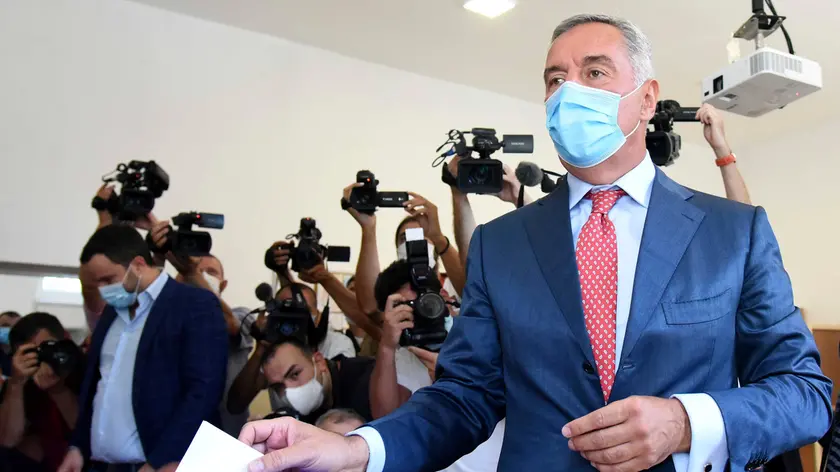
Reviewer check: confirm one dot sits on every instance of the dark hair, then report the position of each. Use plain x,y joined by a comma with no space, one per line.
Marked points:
405,221
29,325
119,243
350,281
339,416
392,279
307,351
13,314
302,287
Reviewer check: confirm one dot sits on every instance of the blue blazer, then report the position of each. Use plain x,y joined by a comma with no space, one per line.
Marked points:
711,304
179,374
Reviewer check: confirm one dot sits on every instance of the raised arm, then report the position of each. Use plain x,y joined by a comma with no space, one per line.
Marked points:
367,267
715,134
386,395
344,298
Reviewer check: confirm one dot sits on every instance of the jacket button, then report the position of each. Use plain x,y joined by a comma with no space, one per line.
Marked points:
587,367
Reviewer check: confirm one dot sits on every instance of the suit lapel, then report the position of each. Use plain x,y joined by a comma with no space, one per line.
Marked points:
550,233
157,316
669,228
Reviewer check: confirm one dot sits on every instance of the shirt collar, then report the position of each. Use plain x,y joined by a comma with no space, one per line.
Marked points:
154,289
637,183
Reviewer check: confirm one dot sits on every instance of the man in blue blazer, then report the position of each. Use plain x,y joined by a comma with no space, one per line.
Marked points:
610,322
156,364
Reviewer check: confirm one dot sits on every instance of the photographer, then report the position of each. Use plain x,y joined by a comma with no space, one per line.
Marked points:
157,360
250,380
422,214
40,402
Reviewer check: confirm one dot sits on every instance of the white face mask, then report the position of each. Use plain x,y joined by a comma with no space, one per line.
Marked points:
402,253
214,283
308,397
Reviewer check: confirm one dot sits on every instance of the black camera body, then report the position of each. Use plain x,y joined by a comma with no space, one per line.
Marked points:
484,175
62,356
309,251
186,242
366,199
142,182
662,143
289,319
430,309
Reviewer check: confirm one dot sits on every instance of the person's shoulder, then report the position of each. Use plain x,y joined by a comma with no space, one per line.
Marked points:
189,292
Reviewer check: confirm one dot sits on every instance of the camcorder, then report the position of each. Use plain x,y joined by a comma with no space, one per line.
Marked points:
286,320
430,308
366,199
62,356
481,175
309,251
662,143
186,242
141,183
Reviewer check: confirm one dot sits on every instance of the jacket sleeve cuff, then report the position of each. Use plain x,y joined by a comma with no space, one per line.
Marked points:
708,435
376,460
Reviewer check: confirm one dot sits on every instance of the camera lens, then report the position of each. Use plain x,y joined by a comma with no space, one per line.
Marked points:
430,305
479,175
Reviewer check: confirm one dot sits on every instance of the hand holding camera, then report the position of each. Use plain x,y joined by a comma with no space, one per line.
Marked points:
183,247
308,252
365,220
397,318
141,183
426,213
315,275
159,236
24,363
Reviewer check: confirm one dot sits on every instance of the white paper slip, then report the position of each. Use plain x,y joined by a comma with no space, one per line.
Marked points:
214,450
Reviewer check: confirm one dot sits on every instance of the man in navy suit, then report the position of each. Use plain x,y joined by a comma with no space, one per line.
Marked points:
156,364
610,322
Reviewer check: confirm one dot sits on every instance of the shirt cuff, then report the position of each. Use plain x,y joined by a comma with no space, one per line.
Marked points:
708,435
376,459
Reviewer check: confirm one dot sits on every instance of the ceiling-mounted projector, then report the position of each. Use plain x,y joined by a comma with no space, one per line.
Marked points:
765,80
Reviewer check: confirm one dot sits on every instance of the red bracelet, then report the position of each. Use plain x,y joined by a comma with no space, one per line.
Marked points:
725,161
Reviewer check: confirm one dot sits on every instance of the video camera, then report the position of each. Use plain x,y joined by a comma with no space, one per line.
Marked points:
186,242
309,251
366,199
664,145
61,356
142,182
285,320
480,175
430,309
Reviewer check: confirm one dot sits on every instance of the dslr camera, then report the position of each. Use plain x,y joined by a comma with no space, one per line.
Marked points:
309,251
366,199
186,242
662,143
430,308
142,182
61,355
481,175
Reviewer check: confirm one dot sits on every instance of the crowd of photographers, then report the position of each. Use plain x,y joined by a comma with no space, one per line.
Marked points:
165,354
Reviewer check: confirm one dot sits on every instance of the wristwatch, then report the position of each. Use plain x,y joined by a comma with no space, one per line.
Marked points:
725,161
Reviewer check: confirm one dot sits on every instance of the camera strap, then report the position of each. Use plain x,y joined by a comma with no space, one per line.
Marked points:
447,177
521,200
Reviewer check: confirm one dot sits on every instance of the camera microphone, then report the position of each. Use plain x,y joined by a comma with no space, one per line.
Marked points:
264,292
529,174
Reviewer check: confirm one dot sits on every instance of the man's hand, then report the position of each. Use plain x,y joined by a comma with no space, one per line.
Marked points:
72,462
428,358
365,221
632,434
24,364
289,444
510,186
395,319
317,274
105,192
427,215
713,130
146,222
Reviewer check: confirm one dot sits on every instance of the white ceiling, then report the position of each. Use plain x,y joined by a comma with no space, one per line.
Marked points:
438,38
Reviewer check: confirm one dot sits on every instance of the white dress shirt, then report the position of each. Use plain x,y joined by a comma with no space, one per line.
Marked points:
708,436
113,436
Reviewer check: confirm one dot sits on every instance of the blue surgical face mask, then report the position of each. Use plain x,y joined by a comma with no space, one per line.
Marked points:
4,334
117,296
583,123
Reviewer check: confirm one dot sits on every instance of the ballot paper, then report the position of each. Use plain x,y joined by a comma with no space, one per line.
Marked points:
214,450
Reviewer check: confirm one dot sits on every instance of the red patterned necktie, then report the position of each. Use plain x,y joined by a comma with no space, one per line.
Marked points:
597,259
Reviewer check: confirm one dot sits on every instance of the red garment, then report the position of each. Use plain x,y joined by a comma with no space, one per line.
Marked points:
46,422
597,259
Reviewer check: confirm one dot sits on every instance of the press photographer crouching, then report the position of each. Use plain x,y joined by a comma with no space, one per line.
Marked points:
290,315
40,400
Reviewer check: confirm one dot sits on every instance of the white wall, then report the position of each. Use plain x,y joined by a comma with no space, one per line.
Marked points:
260,129
794,178
18,293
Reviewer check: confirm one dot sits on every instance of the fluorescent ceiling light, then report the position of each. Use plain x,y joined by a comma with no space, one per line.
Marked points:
489,8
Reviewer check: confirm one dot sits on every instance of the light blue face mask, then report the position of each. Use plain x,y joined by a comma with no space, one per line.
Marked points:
4,334
117,296
583,123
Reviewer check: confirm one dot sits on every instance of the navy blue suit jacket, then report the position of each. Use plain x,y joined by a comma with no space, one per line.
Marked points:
179,374
712,305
